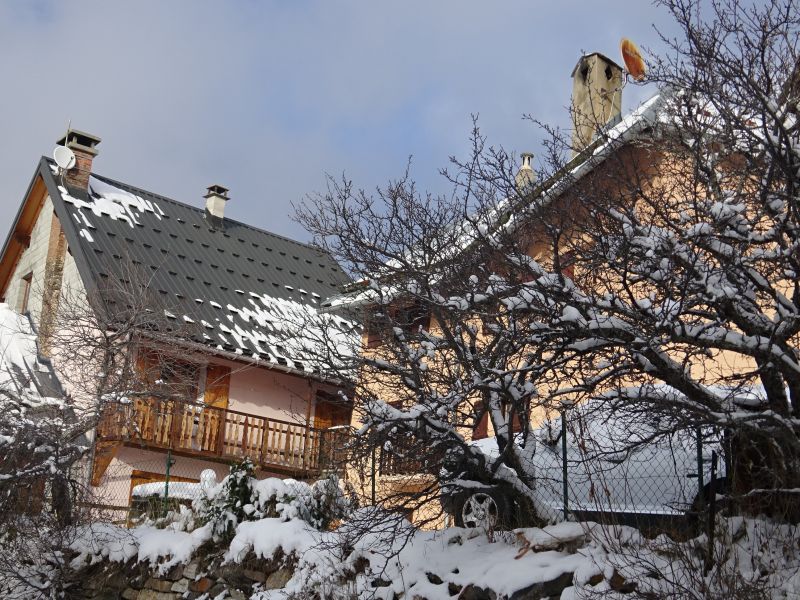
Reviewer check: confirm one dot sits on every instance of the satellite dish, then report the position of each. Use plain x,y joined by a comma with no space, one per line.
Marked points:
64,157
633,59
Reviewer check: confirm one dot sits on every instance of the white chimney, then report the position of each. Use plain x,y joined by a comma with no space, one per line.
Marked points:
596,97
526,177
216,197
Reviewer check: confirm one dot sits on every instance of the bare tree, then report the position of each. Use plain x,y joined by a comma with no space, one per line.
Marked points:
655,273
109,346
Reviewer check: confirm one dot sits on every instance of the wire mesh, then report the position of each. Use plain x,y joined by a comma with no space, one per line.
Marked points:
647,479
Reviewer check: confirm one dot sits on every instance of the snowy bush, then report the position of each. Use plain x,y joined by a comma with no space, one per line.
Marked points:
241,497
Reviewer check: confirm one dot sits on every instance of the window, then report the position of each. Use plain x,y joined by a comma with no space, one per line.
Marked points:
25,292
567,262
173,378
409,317
376,325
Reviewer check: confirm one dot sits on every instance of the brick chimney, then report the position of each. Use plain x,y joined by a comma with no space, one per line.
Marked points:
596,97
84,145
216,198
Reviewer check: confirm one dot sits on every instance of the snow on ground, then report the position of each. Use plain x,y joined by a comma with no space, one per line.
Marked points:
423,564
163,548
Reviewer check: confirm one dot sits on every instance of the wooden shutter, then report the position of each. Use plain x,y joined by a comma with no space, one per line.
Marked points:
147,366
331,411
481,430
218,383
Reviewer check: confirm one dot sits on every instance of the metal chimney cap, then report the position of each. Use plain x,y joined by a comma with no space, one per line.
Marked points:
80,140
217,190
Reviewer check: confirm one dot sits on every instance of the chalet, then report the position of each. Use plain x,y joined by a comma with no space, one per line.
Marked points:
662,221
218,294
597,83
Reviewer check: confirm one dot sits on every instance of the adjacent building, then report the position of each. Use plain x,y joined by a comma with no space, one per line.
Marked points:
219,375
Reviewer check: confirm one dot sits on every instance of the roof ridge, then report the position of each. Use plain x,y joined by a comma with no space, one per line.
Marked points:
122,184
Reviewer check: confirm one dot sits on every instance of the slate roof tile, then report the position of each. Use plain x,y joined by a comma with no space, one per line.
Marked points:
224,277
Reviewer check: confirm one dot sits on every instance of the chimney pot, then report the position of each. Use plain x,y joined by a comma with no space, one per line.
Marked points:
84,145
216,198
596,97
526,177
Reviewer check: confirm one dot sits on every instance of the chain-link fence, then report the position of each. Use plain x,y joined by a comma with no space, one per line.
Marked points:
624,472
127,483
137,483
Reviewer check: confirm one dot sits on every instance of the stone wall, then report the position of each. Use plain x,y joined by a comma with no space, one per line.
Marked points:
206,576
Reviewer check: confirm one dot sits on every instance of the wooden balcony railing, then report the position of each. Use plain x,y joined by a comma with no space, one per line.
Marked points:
403,458
207,431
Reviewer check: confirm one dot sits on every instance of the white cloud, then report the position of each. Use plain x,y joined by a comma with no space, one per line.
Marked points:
264,97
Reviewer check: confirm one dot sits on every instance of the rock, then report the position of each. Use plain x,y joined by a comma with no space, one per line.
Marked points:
278,579
159,585
201,585
180,586
130,594
217,590
453,588
237,594
544,589
108,594
595,579
473,592
154,595
254,575
117,579
175,573
434,578
618,584
139,577
190,571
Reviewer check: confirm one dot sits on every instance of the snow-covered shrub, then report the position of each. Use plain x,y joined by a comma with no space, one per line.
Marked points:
241,497
230,503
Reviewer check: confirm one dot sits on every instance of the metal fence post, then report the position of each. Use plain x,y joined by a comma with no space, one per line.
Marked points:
565,488
166,481
699,462
712,510
373,474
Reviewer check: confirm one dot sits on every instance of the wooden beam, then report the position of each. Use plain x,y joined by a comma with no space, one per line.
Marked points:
20,236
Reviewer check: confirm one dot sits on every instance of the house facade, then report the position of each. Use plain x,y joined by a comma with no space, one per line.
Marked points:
627,158
208,304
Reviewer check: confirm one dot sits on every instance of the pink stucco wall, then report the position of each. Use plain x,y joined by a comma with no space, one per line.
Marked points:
253,390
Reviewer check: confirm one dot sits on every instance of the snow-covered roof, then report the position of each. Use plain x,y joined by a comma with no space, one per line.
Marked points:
182,490
223,284
647,114
24,375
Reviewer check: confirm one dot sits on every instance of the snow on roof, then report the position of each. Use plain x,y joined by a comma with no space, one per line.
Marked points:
203,271
182,490
111,201
647,113
22,374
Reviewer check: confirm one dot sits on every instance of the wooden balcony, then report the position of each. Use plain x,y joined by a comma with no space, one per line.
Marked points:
213,433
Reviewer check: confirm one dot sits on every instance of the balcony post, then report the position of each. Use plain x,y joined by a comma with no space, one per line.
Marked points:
223,419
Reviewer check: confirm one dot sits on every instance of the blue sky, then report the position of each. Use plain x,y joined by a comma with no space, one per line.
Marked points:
267,97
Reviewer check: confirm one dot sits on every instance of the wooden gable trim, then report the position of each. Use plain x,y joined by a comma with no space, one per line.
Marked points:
20,236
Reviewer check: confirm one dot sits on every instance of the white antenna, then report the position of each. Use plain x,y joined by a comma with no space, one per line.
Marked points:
64,157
